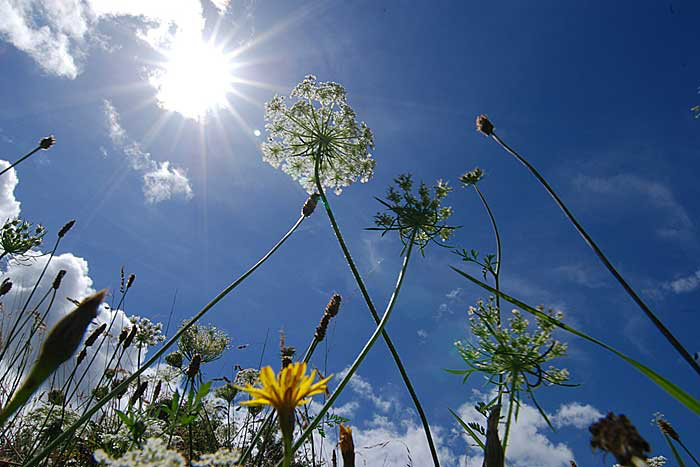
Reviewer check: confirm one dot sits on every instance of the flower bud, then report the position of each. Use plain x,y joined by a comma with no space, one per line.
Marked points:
64,230
174,359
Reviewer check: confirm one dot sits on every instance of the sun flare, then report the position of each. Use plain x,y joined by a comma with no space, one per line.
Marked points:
195,79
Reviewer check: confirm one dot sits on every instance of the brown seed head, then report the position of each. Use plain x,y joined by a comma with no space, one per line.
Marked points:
64,230
123,334
64,338
56,397
333,305
47,142
95,334
58,279
667,429
193,369
484,125
156,392
347,446
81,357
310,205
5,287
130,338
138,393
616,434
130,280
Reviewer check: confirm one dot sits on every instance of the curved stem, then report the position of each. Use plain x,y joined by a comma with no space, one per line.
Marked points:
363,353
375,316
587,238
124,384
20,160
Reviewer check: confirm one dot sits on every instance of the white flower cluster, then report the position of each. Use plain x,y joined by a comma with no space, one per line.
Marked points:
657,461
155,453
319,126
148,333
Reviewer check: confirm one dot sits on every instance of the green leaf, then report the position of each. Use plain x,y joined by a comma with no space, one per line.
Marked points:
124,418
469,431
677,393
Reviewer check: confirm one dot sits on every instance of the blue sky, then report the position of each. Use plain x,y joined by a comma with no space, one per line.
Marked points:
596,94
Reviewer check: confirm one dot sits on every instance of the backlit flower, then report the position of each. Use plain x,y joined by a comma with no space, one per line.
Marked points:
318,126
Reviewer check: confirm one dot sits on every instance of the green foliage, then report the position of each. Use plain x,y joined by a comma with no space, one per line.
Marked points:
17,237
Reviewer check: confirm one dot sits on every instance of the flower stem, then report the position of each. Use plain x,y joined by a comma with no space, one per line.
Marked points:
375,316
511,403
363,353
21,159
124,384
587,238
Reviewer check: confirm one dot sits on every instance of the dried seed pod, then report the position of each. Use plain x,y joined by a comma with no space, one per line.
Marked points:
123,335
138,393
81,357
47,142
156,392
310,205
484,125
333,305
347,446
193,368
129,339
58,279
95,334
64,230
130,281
667,429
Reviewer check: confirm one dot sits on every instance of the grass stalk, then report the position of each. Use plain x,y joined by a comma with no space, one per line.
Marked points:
601,256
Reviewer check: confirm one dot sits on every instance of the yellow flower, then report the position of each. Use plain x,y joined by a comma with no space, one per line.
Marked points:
288,390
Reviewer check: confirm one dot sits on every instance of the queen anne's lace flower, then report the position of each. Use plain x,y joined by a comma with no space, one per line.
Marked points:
319,126
148,332
153,454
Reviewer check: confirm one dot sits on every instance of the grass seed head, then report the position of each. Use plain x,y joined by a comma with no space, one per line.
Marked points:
47,142
64,230
484,125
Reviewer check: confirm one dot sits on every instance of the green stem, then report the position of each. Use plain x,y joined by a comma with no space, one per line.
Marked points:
587,238
687,451
124,384
20,160
375,316
674,451
365,350
511,403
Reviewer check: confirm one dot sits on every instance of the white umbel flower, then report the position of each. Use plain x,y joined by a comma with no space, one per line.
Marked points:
319,125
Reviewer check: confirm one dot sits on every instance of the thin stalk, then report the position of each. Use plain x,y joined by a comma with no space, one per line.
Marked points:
21,159
124,384
511,403
687,451
363,353
375,316
587,238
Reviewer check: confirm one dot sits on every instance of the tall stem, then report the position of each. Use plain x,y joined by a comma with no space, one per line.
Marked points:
587,238
20,160
363,353
375,316
125,384
511,403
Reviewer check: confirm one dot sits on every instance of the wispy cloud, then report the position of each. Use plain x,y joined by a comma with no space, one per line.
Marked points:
674,220
161,182
684,284
58,33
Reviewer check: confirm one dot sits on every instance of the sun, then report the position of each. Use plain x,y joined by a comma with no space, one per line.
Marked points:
195,79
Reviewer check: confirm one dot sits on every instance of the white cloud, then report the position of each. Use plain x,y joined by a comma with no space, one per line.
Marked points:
57,33
364,389
161,182
164,183
221,5
675,220
9,206
528,444
684,284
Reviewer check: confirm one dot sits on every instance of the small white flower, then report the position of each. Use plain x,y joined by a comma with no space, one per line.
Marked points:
319,126
153,454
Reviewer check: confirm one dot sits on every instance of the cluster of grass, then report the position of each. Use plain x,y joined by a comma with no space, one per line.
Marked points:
151,407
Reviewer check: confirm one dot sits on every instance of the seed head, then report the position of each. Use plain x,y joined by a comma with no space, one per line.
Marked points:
58,279
95,334
56,397
193,368
123,335
616,434
47,142
484,125
174,359
138,393
331,310
667,429
310,205
81,357
130,338
5,287
472,177
156,392
64,230
334,305
130,280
